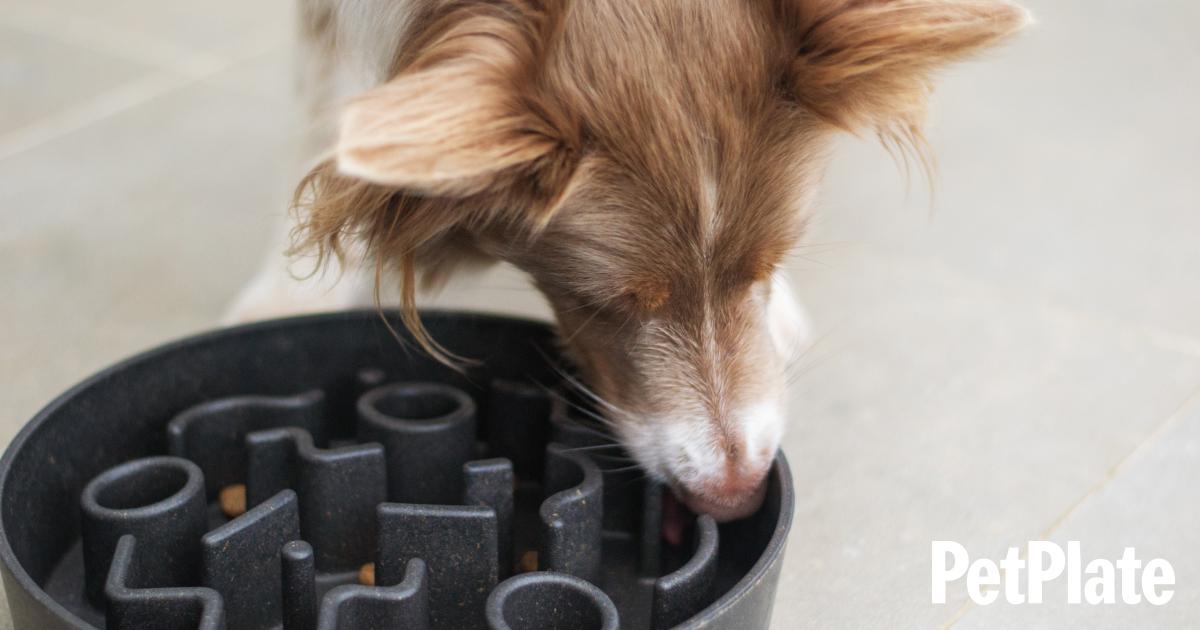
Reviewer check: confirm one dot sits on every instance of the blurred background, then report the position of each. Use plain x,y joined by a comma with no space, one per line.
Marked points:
1018,360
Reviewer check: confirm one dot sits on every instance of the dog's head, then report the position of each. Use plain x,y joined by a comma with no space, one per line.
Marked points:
649,163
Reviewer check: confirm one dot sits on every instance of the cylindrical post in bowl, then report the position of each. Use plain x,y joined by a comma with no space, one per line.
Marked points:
427,431
545,600
160,500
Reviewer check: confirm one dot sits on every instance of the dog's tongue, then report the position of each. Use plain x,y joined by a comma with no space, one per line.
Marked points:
676,518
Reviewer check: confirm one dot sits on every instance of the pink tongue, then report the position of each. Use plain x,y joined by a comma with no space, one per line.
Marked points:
676,518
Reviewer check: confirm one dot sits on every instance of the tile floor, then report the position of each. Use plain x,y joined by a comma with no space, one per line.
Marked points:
1023,362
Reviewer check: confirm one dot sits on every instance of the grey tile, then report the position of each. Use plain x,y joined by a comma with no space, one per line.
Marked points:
198,25
131,232
1068,166
41,76
1152,505
271,75
933,408
5,618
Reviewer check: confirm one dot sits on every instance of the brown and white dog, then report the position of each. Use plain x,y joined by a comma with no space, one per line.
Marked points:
648,163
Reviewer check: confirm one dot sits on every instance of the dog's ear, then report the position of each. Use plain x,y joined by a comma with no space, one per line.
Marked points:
456,116
866,64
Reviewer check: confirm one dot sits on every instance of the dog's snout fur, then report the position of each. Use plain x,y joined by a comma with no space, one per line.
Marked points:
735,497
648,162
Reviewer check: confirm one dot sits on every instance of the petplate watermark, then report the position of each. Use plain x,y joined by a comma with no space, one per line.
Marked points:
1046,562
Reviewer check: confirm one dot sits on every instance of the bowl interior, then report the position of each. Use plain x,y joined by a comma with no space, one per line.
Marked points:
121,414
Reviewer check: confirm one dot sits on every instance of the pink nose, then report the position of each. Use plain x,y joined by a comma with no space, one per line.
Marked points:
736,497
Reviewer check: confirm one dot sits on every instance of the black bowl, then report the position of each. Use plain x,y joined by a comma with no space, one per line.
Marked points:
311,376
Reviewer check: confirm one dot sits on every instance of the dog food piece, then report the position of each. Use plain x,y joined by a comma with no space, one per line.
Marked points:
233,500
366,575
528,562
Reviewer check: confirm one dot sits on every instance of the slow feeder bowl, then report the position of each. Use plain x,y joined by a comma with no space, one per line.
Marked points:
481,500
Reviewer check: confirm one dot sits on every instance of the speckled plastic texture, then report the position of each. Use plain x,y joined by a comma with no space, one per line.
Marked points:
484,499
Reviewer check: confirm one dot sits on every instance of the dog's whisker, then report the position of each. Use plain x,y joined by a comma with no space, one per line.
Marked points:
593,431
606,457
622,469
594,416
594,447
622,327
796,375
581,327
584,410
583,389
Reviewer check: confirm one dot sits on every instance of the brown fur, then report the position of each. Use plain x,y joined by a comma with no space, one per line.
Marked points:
648,162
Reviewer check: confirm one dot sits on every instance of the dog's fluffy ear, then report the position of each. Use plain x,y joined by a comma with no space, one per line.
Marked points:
866,64
454,118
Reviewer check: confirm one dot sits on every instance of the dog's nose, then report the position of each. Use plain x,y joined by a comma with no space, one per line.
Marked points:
734,497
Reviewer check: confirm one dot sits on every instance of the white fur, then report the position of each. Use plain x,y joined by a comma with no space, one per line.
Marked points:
682,449
787,322
762,426
369,32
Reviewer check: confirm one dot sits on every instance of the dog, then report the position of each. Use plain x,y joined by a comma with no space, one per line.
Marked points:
648,163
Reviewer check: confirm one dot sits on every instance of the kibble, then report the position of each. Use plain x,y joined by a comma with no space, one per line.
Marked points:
233,500
529,562
366,575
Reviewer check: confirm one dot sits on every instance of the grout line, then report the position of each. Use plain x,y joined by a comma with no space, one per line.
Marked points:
1173,419
106,104
123,97
1166,340
1166,425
